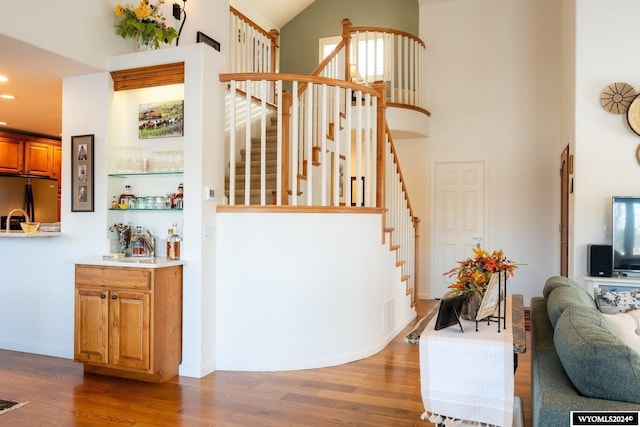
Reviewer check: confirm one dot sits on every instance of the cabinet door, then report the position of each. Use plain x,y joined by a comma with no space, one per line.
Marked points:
91,326
38,158
11,156
56,165
130,330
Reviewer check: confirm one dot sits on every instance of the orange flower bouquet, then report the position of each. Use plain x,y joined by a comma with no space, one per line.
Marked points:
473,274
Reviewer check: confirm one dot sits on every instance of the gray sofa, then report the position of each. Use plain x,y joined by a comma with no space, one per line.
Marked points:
577,363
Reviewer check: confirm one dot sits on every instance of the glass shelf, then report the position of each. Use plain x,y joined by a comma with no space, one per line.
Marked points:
131,174
147,210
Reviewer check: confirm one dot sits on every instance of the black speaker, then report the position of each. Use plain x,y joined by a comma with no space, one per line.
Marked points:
599,260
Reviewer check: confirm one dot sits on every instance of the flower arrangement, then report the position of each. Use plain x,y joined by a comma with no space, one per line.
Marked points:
473,274
145,23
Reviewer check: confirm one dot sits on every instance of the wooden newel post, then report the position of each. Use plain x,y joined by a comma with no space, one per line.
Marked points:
346,35
287,101
381,149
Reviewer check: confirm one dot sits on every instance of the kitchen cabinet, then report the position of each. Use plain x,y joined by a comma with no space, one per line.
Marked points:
22,154
11,155
128,321
38,159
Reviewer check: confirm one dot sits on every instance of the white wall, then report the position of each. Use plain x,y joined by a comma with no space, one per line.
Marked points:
268,319
605,147
85,31
492,88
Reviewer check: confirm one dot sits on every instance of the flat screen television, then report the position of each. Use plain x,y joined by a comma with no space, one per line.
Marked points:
626,235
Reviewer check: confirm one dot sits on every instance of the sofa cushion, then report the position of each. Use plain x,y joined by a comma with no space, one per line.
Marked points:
555,282
611,301
565,296
598,363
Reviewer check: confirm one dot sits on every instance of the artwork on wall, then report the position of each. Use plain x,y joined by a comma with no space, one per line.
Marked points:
616,97
161,119
82,173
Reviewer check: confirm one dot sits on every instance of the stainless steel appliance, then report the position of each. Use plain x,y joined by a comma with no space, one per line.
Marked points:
37,196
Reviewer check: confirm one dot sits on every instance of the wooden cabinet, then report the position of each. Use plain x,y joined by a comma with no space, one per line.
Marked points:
23,154
38,158
11,155
128,321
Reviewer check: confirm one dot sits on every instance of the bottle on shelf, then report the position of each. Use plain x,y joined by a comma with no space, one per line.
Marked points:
173,243
126,196
179,200
138,248
114,203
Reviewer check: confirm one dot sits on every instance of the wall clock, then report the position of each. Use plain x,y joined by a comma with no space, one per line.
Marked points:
633,115
617,97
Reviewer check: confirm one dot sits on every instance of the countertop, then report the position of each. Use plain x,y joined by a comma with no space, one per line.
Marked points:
132,262
23,235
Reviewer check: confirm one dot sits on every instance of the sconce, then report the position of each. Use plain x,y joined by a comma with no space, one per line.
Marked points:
353,72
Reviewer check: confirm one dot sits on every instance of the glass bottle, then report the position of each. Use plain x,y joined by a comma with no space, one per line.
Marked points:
114,203
138,248
124,197
173,244
179,200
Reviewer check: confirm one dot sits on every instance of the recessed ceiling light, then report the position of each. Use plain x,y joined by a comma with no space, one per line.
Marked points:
6,96
3,79
3,123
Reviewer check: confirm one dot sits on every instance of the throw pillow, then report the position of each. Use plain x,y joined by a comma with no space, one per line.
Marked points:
625,326
613,301
597,362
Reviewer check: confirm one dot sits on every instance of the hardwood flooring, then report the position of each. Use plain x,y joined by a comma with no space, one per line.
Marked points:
382,390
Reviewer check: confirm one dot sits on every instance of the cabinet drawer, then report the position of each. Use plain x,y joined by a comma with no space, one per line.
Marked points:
113,277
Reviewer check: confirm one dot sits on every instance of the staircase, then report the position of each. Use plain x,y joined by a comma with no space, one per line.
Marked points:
270,164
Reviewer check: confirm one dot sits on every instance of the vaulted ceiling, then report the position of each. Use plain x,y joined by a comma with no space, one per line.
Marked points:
36,75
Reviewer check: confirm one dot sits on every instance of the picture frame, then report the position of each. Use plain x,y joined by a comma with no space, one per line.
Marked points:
203,38
354,192
161,119
490,299
342,170
449,312
82,176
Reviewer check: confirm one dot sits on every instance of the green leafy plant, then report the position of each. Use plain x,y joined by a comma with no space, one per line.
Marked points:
145,23
473,274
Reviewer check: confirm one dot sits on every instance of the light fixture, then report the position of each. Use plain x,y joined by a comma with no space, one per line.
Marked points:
3,79
353,73
3,123
7,96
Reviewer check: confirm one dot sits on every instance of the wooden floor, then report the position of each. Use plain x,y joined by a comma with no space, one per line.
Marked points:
382,390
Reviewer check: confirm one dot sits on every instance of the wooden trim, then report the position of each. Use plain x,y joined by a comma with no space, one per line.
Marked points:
388,31
296,209
155,75
409,107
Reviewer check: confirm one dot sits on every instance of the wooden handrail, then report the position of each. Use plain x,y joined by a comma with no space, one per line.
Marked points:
388,31
272,34
402,180
288,77
316,71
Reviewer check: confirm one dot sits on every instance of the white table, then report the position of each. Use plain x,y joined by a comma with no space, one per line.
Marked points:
469,376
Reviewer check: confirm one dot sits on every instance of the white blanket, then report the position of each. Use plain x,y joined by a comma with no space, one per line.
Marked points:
468,376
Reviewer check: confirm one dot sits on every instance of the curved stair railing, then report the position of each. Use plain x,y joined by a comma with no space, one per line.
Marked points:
326,144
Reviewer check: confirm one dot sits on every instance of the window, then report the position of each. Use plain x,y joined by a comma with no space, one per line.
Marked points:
368,48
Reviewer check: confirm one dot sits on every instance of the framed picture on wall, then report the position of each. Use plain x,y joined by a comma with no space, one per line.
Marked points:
342,170
82,173
161,119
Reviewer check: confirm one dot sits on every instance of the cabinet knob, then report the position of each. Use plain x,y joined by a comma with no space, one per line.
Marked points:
103,296
114,297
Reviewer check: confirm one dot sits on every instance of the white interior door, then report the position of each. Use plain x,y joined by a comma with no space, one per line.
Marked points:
458,218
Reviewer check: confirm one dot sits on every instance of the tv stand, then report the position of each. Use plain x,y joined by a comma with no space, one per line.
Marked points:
628,282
